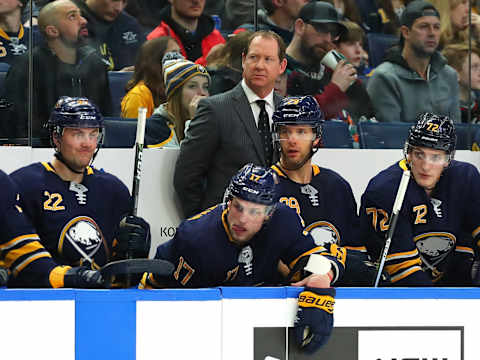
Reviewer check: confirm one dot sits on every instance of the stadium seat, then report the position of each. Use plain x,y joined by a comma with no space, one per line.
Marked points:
378,44
117,81
466,135
119,132
382,135
367,8
336,135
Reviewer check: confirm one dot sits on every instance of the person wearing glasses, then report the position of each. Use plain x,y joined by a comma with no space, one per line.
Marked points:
432,244
315,31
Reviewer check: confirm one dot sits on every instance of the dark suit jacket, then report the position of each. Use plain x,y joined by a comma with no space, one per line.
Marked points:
221,138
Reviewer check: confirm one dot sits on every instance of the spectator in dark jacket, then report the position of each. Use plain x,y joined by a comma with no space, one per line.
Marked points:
61,67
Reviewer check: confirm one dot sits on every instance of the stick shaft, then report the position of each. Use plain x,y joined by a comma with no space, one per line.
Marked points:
137,170
397,206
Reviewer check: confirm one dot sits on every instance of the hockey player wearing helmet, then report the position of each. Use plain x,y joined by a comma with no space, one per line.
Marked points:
77,209
311,189
241,241
440,215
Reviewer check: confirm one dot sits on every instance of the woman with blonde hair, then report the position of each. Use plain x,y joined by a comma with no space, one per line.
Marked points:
185,84
454,21
146,88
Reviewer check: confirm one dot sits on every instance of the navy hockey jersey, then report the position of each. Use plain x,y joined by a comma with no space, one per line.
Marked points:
432,240
68,215
326,205
14,45
205,255
20,248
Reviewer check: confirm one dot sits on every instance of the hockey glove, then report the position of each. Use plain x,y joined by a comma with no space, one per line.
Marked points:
82,277
314,320
133,237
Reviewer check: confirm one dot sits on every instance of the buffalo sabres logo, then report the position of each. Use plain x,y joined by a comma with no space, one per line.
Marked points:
323,233
434,247
311,192
81,233
436,207
17,49
129,37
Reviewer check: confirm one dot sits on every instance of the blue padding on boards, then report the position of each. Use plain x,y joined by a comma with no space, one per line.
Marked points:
253,292
408,293
105,329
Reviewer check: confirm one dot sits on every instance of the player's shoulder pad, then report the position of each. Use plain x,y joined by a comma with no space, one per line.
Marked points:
461,169
284,215
383,186
331,176
31,176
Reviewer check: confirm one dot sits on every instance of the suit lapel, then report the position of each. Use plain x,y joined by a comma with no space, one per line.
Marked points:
242,107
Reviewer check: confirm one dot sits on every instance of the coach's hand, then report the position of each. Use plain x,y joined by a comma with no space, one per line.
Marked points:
133,237
314,320
83,277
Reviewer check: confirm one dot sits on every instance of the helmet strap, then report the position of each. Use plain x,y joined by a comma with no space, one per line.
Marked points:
303,162
60,157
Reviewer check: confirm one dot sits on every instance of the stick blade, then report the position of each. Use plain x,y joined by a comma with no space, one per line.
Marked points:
137,266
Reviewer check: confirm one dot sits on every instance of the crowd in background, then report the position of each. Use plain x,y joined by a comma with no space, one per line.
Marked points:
73,57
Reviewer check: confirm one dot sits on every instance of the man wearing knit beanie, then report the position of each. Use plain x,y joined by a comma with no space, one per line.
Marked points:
415,77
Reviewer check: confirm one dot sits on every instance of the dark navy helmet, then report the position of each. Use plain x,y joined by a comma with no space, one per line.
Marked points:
433,131
298,110
255,184
74,112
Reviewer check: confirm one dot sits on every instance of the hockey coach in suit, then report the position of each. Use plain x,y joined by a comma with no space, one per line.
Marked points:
231,129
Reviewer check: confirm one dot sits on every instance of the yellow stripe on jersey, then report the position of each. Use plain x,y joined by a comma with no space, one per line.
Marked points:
426,235
403,164
394,268
404,274
464,249
29,260
28,248
164,142
89,170
476,232
225,226
18,240
361,249
316,169
47,166
278,171
402,255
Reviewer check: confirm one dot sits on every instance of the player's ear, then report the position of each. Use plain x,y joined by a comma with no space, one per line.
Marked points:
315,142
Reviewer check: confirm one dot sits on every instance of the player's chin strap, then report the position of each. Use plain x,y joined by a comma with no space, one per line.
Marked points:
303,162
60,158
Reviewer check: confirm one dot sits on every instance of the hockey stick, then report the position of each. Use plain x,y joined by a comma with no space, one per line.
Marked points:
137,169
397,206
136,266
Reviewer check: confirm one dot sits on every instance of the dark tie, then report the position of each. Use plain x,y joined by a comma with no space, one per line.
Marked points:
264,131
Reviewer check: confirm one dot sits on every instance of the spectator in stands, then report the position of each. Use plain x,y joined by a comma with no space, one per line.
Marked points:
186,83
13,36
454,21
115,34
415,77
61,66
278,16
146,88
281,85
237,12
147,12
226,72
457,57
347,10
350,44
316,29
388,16
232,128
184,21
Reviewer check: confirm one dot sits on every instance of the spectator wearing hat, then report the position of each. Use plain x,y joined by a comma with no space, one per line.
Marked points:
415,77
14,37
277,16
195,32
316,30
186,83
